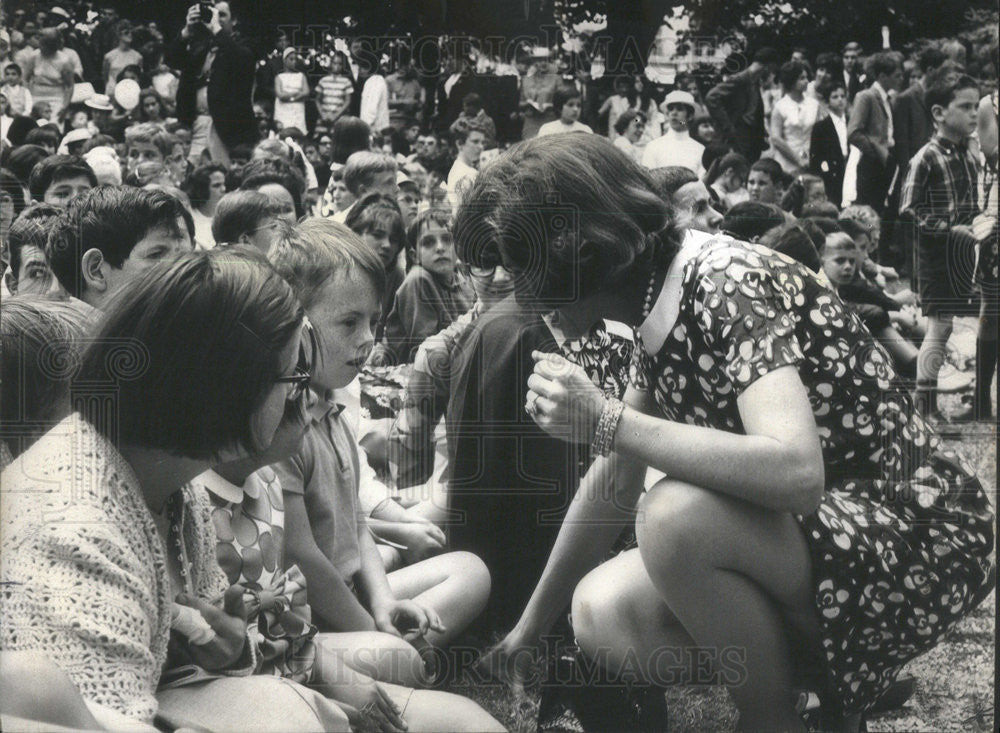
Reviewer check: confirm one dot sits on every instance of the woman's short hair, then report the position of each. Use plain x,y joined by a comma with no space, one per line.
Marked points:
570,215
198,182
241,212
789,74
625,119
191,350
40,340
309,254
749,220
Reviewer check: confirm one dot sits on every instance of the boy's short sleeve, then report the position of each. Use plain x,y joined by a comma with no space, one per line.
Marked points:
292,472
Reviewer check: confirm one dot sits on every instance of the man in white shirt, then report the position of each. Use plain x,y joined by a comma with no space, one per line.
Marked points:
375,101
676,146
470,141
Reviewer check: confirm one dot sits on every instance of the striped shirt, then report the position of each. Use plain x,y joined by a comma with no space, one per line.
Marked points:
940,189
331,94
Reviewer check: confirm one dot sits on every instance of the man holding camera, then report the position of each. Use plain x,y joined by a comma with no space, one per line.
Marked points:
214,95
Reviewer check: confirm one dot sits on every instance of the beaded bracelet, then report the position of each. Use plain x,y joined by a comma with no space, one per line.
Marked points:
606,427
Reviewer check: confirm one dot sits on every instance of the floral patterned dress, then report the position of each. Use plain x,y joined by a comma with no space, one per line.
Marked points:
901,543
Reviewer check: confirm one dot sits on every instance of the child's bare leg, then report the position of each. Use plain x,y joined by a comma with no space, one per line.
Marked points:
378,655
732,573
903,353
456,585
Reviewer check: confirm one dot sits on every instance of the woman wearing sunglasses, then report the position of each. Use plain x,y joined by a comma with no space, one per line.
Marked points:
105,547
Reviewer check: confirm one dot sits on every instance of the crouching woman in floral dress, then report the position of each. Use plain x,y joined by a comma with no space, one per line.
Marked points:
806,512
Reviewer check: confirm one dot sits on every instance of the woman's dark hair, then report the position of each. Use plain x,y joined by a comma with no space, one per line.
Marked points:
789,74
722,164
19,128
700,120
749,220
199,180
563,94
792,240
191,349
669,179
571,215
43,136
23,159
350,134
130,69
262,171
625,119
143,95
40,340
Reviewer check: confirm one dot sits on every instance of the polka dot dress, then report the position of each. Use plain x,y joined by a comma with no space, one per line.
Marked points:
901,544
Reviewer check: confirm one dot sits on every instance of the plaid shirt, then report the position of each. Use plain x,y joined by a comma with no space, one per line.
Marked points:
940,190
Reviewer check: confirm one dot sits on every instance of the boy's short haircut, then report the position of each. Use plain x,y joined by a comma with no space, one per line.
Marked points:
150,133
436,214
30,229
826,225
943,92
309,254
773,169
864,214
112,219
241,212
263,171
564,93
364,166
883,62
930,58
44,136
793,240
12,67
748,220
57,168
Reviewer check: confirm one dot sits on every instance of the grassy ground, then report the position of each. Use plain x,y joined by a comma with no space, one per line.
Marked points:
954,680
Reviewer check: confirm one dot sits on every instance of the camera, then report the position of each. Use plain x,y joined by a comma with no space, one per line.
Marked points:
206,12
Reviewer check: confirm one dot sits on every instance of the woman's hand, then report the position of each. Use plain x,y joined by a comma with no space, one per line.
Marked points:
562,400
407,619
229,624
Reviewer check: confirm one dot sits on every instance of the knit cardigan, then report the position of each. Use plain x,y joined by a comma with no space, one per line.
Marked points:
83,569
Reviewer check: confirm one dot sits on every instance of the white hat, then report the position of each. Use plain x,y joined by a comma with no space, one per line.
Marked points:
540,52
75,136
679,96
103,161
101,102
59,11
82,92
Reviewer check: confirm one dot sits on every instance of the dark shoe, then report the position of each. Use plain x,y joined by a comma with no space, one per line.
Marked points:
964,414
898,694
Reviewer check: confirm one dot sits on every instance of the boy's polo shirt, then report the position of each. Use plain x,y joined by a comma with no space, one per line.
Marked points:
325,471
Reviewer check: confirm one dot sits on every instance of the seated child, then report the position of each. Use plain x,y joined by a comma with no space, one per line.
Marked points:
247,494
840,264
869,220
339,279
433,294
247,217
750,220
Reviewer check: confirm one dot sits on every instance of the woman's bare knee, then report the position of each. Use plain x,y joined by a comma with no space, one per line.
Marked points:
672,525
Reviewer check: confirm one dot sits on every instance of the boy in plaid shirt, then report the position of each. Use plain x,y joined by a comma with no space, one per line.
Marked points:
940,198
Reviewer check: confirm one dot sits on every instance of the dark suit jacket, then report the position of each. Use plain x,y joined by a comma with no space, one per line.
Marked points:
912,124
826,159
738,111
230,83
868,129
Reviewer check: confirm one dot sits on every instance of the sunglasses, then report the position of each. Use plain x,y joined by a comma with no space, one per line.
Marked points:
302,375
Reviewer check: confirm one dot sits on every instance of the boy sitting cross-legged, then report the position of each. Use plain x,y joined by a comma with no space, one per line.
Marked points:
339,282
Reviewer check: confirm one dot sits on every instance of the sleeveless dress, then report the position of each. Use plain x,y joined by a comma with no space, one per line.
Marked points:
901,543
291,114
799,118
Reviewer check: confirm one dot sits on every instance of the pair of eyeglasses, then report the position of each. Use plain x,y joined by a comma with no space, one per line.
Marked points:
302,375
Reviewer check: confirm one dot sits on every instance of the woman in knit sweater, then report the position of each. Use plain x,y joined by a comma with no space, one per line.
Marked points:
102,550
